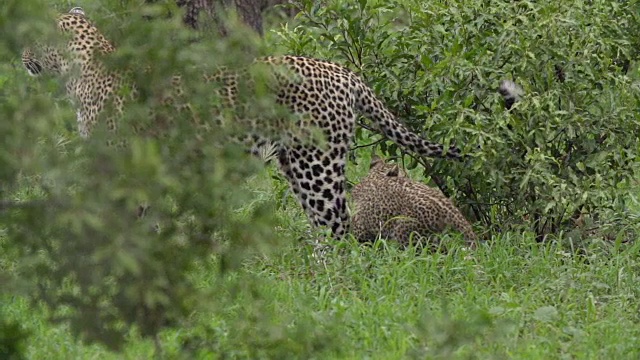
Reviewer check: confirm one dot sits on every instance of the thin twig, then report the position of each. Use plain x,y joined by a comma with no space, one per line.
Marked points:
367,145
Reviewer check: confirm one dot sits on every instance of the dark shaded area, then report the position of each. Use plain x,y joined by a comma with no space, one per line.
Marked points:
200,13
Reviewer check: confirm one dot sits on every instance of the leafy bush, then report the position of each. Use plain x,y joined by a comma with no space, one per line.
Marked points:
562,152
77,241
12,340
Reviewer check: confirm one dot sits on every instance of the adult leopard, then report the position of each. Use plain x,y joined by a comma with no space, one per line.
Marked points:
327,96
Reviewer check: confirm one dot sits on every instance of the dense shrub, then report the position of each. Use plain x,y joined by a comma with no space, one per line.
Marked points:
69,205
563,151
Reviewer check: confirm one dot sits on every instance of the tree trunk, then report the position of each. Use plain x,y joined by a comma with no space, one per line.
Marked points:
250,11
200,13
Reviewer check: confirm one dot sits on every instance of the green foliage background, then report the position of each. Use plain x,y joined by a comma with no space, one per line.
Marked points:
82,250
225,278
567,147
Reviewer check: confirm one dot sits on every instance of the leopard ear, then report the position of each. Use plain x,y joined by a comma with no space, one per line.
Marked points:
394,171
77,11
375,160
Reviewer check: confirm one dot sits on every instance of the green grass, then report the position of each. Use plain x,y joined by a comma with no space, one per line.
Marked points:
512,298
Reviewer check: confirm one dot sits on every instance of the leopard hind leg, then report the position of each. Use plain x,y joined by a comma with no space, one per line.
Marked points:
317,177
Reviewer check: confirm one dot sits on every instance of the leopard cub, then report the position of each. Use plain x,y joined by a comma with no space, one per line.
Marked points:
391,205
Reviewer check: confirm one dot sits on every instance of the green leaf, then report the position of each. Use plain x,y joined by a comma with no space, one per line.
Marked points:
546,314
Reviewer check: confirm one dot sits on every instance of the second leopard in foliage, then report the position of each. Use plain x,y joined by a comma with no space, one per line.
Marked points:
391,205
